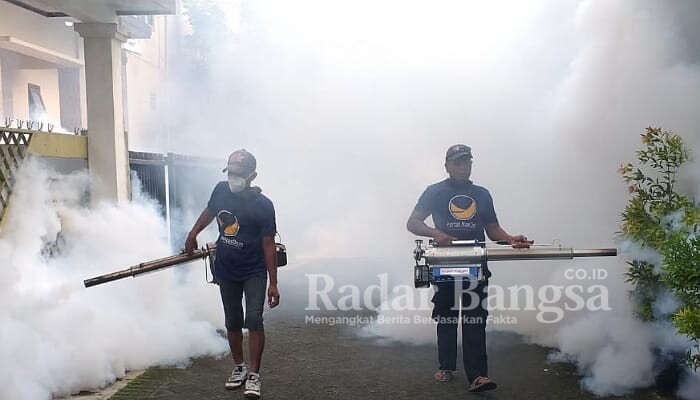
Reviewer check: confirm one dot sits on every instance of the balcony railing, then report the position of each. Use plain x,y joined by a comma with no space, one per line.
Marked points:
14,147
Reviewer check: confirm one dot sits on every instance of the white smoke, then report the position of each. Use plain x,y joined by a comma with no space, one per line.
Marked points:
56,337
620,358
690,387
349,107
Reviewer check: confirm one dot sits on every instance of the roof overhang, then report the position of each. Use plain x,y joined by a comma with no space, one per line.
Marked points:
98,10
38,53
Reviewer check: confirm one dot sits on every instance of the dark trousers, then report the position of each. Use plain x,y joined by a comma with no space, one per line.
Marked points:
473,322
255,289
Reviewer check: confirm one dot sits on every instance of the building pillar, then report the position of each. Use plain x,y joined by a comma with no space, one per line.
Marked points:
108,158
69,87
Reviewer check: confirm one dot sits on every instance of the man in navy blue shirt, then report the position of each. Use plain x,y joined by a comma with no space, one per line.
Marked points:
245,256
460,210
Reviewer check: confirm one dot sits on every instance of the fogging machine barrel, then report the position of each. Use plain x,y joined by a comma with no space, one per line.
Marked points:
468,259
207,253
150,266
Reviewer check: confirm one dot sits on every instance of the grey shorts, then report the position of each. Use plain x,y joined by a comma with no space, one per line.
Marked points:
255,290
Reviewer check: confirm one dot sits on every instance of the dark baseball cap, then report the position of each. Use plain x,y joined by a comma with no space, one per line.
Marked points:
241,163
458,150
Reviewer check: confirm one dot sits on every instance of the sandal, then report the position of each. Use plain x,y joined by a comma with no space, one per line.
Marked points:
443,375
482,384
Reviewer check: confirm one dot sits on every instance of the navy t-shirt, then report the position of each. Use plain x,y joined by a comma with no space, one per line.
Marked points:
460,209
243,220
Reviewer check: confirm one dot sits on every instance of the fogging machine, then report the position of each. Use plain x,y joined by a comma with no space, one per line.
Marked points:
468,259
206,253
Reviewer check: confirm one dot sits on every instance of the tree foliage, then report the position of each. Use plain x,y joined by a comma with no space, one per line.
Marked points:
682,275
657,216
209,30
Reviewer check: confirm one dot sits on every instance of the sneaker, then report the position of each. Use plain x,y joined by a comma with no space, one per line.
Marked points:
237,377
252,386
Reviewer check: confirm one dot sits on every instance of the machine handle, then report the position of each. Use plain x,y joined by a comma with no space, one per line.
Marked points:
464,242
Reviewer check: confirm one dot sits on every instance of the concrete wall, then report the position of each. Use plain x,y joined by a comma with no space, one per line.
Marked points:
10,66
64,165
71,86
146,70
2,103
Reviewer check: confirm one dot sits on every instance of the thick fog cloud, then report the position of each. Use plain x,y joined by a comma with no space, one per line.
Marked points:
59,338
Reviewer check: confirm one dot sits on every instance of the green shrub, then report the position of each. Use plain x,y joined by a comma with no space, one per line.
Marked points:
657,216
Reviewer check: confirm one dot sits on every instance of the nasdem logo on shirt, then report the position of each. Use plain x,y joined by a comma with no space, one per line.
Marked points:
228,223
462,207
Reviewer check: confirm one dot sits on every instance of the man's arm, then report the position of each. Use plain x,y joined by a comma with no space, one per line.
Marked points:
496,233
270,253
202,222
416,225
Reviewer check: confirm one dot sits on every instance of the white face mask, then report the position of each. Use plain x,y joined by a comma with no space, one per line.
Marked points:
236,183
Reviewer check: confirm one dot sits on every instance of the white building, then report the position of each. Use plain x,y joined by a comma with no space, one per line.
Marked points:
78,64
